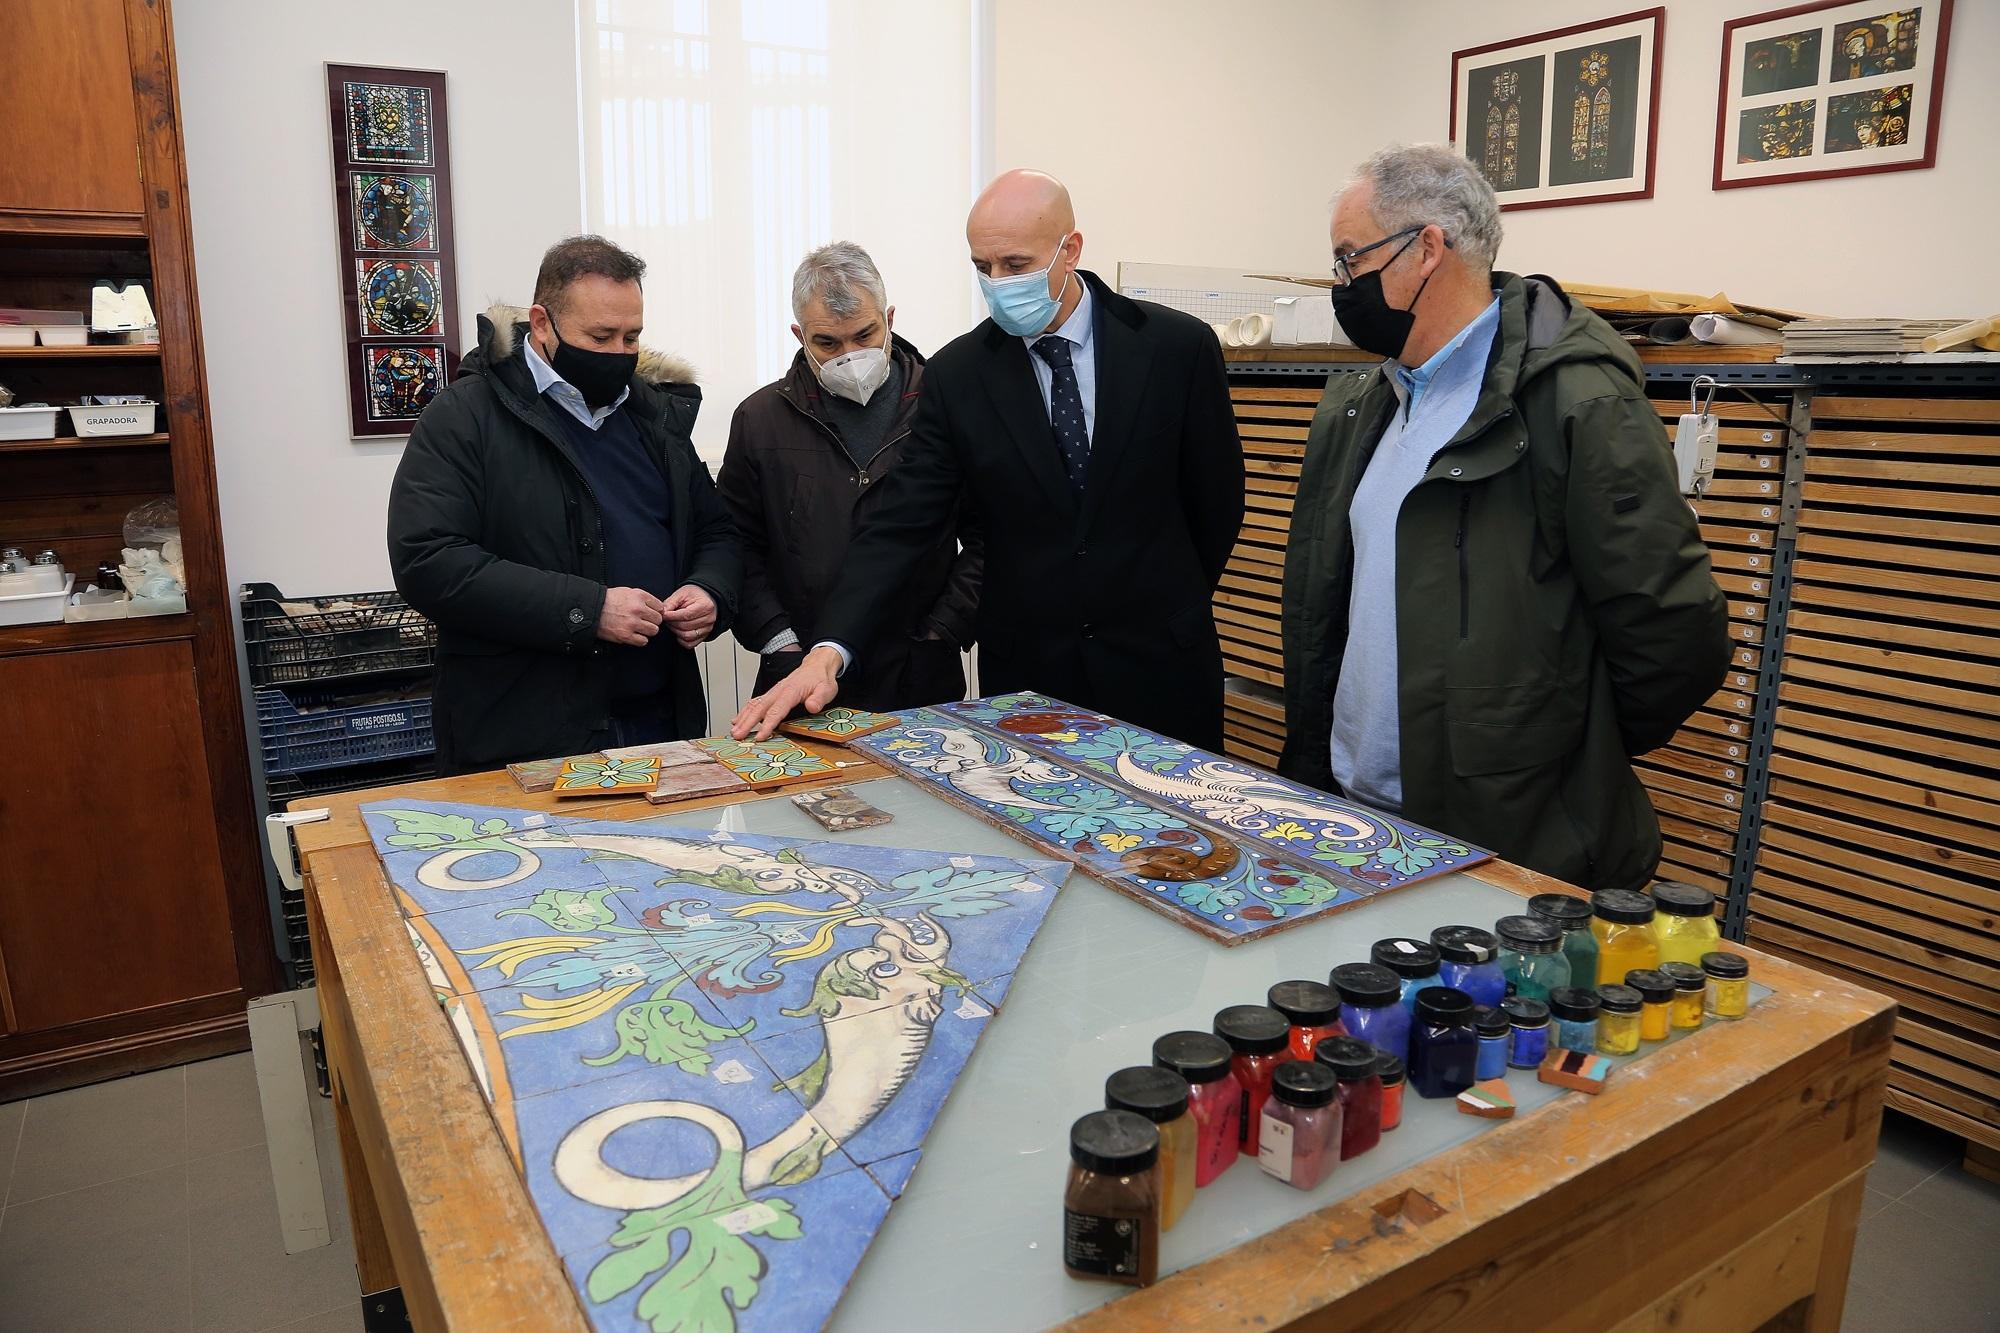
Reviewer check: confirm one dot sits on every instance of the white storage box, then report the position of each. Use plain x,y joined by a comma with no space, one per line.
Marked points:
63,335
28,423
36,608
17,335
115,419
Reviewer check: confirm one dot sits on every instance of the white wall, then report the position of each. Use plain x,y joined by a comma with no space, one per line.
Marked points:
302,503
1211,133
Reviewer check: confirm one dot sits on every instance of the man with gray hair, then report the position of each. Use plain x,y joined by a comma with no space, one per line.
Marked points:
1494,592
806,455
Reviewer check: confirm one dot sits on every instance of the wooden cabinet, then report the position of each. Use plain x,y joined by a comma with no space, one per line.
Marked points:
134,923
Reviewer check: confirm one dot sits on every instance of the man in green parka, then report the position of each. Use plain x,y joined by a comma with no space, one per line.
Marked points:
1494,593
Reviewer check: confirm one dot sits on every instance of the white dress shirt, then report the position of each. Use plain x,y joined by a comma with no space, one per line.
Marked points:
567,395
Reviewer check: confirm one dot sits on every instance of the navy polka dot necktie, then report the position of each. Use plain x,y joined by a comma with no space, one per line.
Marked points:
1066,410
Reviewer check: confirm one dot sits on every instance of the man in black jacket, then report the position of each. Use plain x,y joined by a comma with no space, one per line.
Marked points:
805,463
551,516
1091,439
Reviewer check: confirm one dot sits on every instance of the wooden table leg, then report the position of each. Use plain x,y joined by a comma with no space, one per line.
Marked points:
1836,1257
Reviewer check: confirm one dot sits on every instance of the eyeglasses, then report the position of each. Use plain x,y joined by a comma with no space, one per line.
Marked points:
1343,265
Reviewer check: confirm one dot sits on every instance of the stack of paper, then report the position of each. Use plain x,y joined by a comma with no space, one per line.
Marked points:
1861,337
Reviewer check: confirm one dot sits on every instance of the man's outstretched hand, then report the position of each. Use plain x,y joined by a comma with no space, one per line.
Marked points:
813,685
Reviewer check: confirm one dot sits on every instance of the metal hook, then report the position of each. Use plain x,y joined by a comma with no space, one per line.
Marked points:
1696,404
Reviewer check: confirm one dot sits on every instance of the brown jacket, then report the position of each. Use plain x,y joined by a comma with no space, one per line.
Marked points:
796,497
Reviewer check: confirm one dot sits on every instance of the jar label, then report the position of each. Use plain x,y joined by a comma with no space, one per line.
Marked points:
1105,1246
1274,1149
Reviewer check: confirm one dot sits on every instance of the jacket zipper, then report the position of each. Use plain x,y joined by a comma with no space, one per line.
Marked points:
1464,565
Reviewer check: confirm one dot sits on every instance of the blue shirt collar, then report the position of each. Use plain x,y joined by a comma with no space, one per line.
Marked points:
1413,381
567,395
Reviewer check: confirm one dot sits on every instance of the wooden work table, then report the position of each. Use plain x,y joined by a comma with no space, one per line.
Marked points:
1729,1202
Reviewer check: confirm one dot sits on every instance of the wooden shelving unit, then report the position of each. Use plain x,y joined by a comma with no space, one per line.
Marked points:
113,352
66,442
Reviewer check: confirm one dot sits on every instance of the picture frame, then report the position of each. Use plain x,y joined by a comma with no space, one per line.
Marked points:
398,273
1830,88
1567,116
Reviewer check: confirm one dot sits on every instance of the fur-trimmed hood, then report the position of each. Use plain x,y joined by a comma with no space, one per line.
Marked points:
502,324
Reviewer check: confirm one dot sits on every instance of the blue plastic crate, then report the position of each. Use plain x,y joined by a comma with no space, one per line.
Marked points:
297,740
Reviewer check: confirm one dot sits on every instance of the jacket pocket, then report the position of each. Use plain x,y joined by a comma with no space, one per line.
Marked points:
1506,728
1191,625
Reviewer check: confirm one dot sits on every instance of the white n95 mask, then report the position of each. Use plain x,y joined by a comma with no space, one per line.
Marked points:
854,375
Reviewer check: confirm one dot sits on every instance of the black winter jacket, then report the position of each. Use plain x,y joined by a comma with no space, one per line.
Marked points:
495,535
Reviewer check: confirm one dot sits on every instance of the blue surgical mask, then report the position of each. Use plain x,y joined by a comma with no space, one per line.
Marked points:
1022,305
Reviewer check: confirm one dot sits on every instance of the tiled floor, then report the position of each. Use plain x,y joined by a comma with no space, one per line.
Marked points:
146,1204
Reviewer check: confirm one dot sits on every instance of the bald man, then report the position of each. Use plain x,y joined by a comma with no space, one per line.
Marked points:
1091,438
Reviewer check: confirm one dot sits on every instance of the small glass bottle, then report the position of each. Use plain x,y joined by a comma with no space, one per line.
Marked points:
1371,1007
1690,991
1415,963
1444,1050
1313,1011
1684,926
1656,997
1161,1096
1618,1019
1572,915
1574,1010
1257,1037
1299,1138
1527,1031
1728,984
1353,1063
1493,1028
1215,1098
1623,923
1111,1202
1469,960
1531,956
1391,1071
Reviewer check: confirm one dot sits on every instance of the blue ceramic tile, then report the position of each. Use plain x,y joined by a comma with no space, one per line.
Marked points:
754,1267
567,940
493,870
893,1173
425,825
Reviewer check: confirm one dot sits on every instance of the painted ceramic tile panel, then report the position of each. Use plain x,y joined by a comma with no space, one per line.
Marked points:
679,1055
604,776
771,763
839,725
671,754
685,781
1227,887
539,774
1377,848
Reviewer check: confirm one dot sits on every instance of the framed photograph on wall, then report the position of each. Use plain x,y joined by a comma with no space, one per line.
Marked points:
1833,88
1563,117
398,278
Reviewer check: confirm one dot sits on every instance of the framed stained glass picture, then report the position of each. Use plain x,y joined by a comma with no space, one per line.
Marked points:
1834,88
398,275
1563,117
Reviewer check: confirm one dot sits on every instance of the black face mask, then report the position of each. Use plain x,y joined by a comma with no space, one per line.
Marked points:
1366,316
599,376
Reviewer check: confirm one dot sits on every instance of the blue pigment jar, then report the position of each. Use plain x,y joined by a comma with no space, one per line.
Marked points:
1444,1049
1371,1006
1574,1011
1528,1031
1493,1028
1415,963
1469,960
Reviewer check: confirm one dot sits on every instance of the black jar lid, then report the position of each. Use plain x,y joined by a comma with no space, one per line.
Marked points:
1390,1068
1523,1012
1198,1057
1677,899
1411,959
1304,1083
1489,1021
1114,1143
1623,906
1565,909
1686,976
1653,985
1349,1058
1466,944
1575,1004
1305,1004
1253,1029
1727,966
1618,999
1366,986
1158,1094
1444,1005
1529,934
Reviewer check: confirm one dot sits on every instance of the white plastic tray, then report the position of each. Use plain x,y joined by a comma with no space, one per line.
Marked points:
36,608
